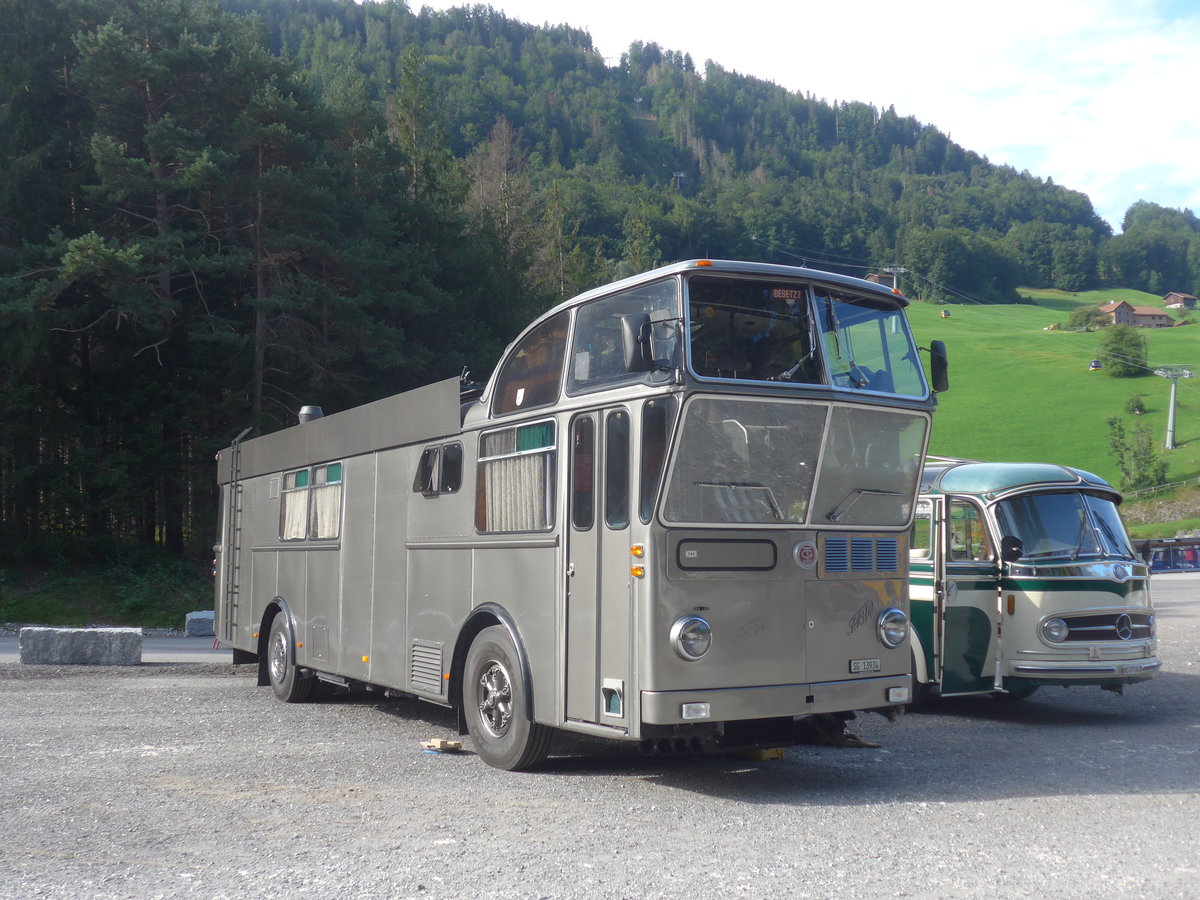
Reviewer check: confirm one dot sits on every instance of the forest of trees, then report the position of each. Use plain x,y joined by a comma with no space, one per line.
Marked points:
212,213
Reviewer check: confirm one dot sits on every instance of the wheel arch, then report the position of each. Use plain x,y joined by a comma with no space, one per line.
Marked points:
277,607
920,665
485,616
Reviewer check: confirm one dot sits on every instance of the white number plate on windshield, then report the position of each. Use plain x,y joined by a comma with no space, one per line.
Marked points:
864,665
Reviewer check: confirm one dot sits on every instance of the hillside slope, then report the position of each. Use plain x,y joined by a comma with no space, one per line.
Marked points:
1021,393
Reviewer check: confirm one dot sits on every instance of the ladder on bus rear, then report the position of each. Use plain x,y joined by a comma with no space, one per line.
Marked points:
231,550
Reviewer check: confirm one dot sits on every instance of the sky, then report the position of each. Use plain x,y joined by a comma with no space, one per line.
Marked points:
1098,95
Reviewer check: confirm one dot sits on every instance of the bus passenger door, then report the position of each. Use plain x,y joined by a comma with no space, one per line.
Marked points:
598,641
968,584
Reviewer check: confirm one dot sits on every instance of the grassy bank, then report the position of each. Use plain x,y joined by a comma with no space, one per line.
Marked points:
150,592
1021,393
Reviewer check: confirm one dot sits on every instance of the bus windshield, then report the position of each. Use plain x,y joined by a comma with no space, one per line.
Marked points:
867,345
1064,525
786,331
777,462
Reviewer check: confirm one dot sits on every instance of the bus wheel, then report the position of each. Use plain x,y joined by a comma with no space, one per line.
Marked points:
286,680
494,699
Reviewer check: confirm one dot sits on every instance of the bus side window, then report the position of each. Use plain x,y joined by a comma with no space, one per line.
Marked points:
514,487
293,510
920,544
326,515
532,373
616,470
583,487
452,469
439,470
424,481
311,506
597,358
657,418
968,538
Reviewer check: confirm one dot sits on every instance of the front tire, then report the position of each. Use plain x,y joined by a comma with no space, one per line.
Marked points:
494,699
286,680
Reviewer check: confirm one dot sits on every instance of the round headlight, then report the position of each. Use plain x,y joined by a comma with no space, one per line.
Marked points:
691,637
1055,630
893,627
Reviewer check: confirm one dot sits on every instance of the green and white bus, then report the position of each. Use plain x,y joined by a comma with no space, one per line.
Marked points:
1022,575
677,514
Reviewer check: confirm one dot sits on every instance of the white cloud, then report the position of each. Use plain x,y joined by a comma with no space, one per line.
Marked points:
1095,94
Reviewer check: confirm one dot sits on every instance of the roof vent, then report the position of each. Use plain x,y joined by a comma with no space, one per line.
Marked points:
309,413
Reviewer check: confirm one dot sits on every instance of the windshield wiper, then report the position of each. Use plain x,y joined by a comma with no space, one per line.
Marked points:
1113,542
749,489
853,497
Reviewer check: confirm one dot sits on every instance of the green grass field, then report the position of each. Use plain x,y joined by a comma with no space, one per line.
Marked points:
1021,393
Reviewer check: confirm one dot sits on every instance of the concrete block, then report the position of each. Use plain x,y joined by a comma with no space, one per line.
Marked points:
80,646
199,624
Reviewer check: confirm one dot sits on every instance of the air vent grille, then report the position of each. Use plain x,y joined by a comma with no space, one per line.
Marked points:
426,671
861,555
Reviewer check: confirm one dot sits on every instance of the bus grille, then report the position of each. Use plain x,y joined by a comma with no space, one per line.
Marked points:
861,554
1109,627
426,672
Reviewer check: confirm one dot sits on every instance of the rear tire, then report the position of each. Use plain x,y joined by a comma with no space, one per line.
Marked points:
495,697
287,682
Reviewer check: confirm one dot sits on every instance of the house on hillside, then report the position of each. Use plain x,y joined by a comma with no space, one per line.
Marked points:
1122,313
1177,300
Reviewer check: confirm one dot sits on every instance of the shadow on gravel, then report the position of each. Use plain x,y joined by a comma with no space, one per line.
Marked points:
1077,742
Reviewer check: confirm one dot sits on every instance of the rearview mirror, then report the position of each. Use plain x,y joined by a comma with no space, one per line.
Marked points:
939,367
635,342
1011,548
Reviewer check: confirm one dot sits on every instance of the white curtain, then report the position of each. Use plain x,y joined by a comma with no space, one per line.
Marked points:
516,492
327,508
295,515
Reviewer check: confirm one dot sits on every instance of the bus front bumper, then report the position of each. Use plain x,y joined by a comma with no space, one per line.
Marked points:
771,701
1136,669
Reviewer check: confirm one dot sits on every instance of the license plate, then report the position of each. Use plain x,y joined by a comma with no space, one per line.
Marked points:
864,665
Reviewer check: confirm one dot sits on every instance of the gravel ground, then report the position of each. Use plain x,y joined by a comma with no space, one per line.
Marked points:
188,781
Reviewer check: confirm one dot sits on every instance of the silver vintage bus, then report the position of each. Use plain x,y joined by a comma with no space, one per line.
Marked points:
676,514
1022,576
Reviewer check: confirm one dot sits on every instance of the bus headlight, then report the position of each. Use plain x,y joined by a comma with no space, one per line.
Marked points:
1055,630
893,627
691,637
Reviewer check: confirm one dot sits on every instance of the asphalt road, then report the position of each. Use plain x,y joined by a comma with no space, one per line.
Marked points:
185,780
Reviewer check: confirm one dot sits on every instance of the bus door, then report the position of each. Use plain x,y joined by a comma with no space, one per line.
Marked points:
968,592
598,607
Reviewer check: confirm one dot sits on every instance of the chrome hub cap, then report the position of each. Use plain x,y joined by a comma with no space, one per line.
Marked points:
279,657
494,694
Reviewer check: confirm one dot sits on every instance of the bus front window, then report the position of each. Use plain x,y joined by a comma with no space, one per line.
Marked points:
867,345
746,461
751,329
756,461
1064,525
